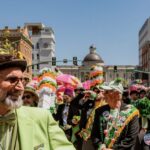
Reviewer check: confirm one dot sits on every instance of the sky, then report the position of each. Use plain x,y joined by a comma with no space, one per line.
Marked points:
112,26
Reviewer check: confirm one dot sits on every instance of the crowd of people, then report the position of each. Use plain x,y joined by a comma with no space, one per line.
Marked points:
103,117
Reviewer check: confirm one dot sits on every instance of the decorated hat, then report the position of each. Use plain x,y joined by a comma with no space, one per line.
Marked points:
114,85
32,88
9,57
96,75
134,92
69,92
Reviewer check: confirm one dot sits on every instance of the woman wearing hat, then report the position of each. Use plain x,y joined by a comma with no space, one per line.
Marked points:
115,125
30,96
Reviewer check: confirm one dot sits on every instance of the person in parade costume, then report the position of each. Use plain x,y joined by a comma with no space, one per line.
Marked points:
115,125
77,103
65,112
30,96
85,133
86,107
125,96
91,100
142,93
100,101
21,127
135,99
78,90
143,139
134,96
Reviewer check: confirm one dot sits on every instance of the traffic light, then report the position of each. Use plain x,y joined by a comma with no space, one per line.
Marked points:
53,61
75,61
65,61
115,68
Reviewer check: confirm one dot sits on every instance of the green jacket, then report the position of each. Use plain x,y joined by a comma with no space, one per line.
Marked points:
39,131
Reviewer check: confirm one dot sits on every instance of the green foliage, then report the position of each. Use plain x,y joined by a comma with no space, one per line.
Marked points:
118,80
144,106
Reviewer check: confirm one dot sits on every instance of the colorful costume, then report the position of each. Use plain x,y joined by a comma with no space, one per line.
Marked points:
115,129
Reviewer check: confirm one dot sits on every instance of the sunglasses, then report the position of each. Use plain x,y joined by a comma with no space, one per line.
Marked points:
26,96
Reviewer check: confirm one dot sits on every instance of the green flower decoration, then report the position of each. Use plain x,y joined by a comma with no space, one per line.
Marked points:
144,106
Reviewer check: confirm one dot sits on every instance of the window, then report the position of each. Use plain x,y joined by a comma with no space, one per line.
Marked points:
45,45
37,46
38,57
38,67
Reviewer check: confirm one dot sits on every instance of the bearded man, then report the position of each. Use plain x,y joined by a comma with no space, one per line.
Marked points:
116,125
24,128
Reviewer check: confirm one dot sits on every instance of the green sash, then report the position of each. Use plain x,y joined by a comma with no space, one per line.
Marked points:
86,133
125,116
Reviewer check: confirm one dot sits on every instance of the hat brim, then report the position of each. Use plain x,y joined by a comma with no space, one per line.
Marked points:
30,91
22,64
108,88
105,87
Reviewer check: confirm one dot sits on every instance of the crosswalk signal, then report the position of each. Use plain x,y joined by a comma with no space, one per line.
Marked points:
75,61
53,61
115,68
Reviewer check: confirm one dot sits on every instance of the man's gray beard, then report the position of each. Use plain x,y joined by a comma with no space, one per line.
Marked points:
13,104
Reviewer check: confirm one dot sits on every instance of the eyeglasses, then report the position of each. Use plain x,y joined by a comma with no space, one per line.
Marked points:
14,80
26,96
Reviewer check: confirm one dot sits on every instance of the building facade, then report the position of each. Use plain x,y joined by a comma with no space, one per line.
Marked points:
110,72
20,41
43,45
125,72
144,50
